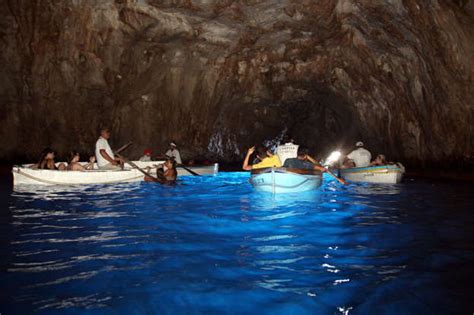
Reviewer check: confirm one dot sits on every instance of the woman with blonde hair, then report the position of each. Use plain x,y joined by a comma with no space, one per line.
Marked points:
379,160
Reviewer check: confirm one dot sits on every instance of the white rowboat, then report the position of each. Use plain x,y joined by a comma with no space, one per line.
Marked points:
386,174
25,175
285,180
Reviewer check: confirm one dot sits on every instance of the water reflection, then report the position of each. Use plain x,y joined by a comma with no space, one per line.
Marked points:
71,192
369,189
210,245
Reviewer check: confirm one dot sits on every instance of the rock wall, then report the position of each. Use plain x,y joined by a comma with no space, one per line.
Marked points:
219,75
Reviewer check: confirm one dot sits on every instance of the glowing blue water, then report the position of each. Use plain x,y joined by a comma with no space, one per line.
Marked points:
213,245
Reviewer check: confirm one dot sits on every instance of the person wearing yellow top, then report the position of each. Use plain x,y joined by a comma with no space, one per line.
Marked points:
266,159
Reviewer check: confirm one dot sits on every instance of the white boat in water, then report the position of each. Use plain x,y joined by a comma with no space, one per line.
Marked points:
386,174
25,175
285,180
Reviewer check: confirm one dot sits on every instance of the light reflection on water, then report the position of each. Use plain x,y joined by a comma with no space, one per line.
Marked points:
213,245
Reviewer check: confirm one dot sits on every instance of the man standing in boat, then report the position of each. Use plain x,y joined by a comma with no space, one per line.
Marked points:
287,150
104,154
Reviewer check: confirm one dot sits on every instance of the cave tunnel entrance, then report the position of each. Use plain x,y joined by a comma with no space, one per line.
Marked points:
323,121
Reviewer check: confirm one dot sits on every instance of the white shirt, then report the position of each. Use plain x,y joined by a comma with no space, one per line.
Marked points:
175,154
102,144
287,151
361,157
145,158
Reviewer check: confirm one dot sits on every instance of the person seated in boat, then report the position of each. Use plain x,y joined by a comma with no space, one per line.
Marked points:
166,173
303,161
146,156
46,161
347,163
360,156
173,152
74,165
266,158
287,150
379,160
104,154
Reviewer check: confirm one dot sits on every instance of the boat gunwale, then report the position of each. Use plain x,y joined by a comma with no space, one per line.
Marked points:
383,169
20,169
286,170
304,177
25,175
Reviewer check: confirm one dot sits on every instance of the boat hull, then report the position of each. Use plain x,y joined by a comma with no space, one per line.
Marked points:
283,180
387,174
24,175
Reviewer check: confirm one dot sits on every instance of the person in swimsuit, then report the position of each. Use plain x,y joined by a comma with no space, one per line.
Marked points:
46,161
166,173
73,163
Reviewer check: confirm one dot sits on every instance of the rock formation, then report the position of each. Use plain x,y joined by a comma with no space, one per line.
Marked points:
219,75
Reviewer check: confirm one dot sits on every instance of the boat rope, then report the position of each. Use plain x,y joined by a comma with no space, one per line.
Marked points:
273,181
45,181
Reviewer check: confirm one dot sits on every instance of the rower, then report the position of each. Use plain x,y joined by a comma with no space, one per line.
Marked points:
303,161
173,152
360,156
103,153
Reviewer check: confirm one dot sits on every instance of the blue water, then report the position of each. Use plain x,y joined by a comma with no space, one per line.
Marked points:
211,245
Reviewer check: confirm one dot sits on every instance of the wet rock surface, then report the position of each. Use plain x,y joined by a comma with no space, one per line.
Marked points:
218,76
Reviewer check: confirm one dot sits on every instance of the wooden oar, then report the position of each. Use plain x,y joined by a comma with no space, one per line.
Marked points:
340,180
161,179
187,169
123,147
182,166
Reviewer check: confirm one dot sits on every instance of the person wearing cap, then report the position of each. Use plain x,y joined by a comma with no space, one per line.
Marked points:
146,156
173,152
287,150
360,156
